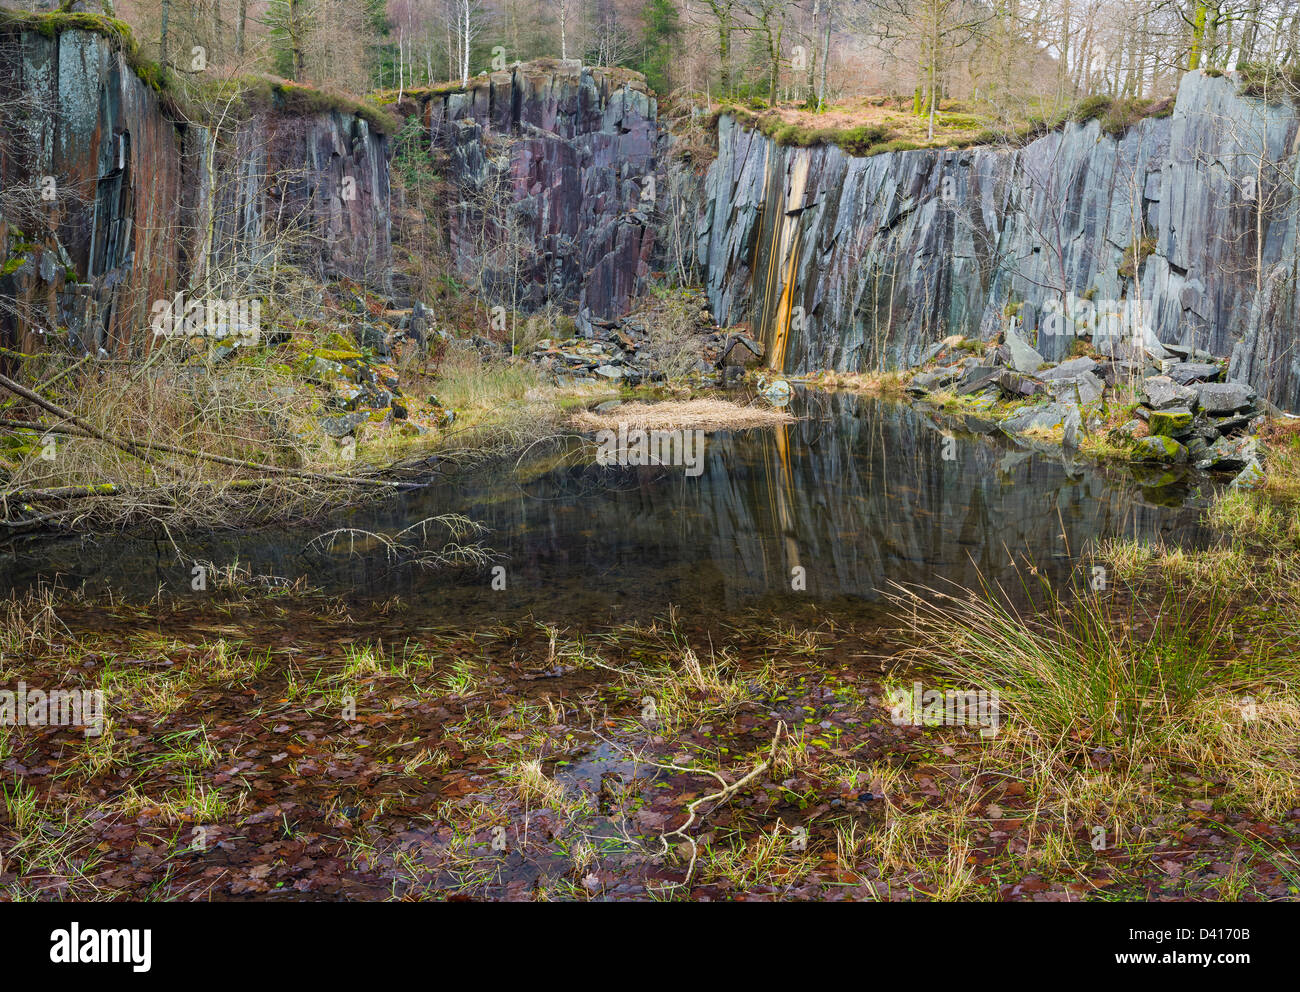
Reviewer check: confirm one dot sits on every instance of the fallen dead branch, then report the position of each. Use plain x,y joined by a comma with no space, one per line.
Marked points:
719,797
141,449
409,545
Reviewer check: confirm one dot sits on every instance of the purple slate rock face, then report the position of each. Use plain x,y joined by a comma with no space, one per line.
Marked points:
561,160
332,173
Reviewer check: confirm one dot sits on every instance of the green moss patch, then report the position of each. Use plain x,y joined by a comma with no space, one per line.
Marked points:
1270,82
1117,116
862,141
284,96
255,91
1137,254
157,77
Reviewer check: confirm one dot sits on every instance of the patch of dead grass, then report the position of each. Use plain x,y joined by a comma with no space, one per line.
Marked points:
703,414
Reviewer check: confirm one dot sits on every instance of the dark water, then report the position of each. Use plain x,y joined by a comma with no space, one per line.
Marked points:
858,494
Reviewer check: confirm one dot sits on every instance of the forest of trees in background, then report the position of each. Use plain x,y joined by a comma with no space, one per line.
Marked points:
1001,52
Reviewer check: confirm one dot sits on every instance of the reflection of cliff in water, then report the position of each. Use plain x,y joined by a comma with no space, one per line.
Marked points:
858,494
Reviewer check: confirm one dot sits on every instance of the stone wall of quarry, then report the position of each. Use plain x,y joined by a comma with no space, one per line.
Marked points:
140,213
858,263
563,190
571,151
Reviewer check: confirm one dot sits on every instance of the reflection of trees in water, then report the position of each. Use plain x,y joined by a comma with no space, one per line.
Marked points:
857,492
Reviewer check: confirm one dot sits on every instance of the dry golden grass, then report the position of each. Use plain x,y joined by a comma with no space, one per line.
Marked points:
183,417
1267,517
893,117
703,414
870,383
251,413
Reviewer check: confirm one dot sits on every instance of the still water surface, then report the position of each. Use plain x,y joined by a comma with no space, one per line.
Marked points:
855,496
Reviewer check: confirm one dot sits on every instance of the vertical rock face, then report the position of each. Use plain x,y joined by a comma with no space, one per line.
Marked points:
313,190
90,131
143,207
571,151
1187,226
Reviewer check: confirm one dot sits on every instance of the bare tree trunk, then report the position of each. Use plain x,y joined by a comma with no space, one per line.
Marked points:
162,42
1251,34
812,54
239,28
465,39
826,53
1198,37
934,64
1063,70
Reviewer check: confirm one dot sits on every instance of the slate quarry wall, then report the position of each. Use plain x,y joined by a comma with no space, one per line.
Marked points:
857,263
571,150
140,213
1191,221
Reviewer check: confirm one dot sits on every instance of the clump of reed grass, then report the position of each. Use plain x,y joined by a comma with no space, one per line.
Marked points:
536,787
1079,669
1267,516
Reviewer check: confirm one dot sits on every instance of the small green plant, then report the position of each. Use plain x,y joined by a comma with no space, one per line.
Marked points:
1135,256
20,806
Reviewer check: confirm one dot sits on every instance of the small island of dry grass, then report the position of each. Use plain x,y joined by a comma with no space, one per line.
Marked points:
696,414
890,384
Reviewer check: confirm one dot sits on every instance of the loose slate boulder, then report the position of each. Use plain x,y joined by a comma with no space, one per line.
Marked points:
1069,370
1224,397
1041,418
1156,448
777,392
1023,358
344,425
932,352
1249,477
1174,422
925,382
1016,385
977,378
1085,389
1233,423
1161,393
1230,454
1122,372
1186,373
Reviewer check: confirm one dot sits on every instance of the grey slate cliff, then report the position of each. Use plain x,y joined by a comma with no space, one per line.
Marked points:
856,263
138,194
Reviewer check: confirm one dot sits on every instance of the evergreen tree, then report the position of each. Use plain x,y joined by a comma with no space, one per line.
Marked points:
660,43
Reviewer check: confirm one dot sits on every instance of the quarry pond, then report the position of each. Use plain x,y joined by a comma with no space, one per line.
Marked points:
648,451
856,495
